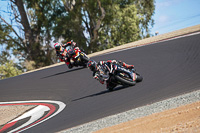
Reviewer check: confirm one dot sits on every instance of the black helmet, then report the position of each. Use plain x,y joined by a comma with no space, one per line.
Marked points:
92,65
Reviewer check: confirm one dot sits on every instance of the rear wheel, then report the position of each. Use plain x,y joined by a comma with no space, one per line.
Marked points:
125,80
84,58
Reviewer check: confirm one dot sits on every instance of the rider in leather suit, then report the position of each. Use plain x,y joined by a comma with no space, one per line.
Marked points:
101,70
61,52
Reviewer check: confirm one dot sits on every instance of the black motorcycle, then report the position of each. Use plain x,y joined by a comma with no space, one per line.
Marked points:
118,75
77,56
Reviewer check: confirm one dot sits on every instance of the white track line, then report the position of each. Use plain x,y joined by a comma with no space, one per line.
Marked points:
36,113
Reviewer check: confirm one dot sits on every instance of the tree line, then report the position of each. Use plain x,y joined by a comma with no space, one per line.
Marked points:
34,25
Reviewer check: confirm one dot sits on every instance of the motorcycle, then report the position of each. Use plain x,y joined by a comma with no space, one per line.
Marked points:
77,56
118,75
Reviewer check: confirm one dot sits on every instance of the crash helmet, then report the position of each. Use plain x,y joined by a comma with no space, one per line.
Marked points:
58,47
92,65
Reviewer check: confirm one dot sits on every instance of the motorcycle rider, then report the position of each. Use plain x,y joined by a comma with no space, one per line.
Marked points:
102,68
61,52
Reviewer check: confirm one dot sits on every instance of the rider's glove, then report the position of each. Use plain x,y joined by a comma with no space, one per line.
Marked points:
74,44
64,58
96,76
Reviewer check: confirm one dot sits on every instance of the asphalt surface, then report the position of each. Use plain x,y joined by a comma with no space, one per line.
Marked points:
169,69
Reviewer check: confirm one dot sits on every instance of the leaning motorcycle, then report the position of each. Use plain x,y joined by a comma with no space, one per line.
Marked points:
77,56
118,75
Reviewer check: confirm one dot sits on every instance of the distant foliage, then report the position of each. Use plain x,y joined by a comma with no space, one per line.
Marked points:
123,28
9,69
95,25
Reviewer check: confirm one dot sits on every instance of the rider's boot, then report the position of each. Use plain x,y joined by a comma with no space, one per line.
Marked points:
127,65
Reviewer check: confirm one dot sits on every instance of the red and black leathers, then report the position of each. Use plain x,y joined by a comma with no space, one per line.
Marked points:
63,51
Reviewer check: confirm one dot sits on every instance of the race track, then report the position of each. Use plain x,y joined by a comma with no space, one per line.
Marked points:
169,69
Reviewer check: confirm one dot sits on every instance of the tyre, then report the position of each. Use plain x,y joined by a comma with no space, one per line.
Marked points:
110,89
110,85
84,58
139,78
124,80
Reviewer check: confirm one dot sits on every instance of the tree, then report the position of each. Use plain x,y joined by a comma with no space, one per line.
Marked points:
85,17
31,39
93,24
106,21
7,67
145,12
123,28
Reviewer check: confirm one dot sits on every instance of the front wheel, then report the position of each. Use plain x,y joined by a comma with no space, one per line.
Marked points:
139,78
110,89
125,81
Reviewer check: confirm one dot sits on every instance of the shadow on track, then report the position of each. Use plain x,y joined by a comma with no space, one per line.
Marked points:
63,72
101,93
